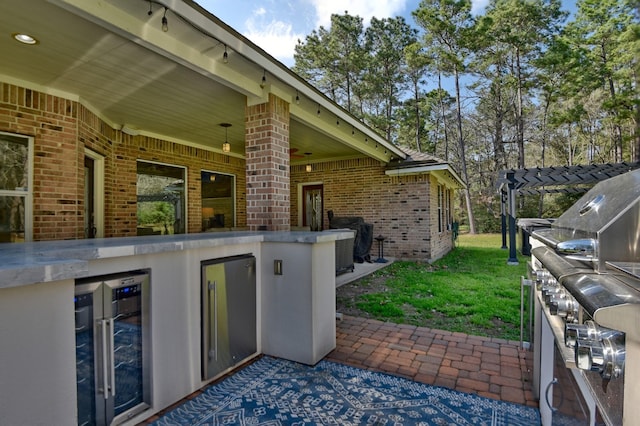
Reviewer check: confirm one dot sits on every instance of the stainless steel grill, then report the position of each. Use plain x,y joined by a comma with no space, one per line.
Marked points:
586,270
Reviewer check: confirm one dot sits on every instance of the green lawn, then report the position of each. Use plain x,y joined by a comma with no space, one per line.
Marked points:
471,290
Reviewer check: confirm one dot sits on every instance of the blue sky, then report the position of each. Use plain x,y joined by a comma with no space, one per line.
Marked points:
276,25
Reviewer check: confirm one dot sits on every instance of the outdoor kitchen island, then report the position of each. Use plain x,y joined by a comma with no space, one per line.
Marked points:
39,314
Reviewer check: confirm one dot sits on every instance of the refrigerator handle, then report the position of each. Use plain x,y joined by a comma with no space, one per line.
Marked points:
105,369
215,318
112,360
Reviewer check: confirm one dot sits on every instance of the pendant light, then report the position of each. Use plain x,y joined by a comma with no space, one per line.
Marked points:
226,146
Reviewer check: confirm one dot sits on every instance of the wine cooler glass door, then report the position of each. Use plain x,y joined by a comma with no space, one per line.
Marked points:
112,348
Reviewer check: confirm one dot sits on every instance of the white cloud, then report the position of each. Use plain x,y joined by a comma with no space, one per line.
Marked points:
366,9
276,37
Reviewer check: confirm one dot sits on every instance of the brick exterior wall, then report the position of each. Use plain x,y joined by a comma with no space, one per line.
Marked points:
52,121
62,129
403,209
267,156
441,241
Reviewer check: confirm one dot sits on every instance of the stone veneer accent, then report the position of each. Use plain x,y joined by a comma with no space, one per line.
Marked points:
267,160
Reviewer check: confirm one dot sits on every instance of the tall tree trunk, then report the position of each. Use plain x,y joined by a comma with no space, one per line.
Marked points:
617,130
444,118
349,92
545,118
500,160
389,113
520,118
463,159
636,137
570,147
416,101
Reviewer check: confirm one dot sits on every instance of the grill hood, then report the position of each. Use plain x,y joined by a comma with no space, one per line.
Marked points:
602,226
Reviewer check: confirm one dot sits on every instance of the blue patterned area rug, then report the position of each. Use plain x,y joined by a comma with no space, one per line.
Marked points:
278,392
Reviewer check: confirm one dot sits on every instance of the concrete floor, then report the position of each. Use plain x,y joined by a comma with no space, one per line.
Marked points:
361,270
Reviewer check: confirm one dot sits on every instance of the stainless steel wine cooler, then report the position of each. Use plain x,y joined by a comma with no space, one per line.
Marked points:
112,347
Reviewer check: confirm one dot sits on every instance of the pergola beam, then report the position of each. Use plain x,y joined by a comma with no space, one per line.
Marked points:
547,180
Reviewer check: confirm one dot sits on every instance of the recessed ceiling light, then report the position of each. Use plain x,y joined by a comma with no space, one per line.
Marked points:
24,38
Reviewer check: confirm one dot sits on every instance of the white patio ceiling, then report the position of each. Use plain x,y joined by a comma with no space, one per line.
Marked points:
114,57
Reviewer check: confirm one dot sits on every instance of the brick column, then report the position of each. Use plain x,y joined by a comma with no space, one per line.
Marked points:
267,159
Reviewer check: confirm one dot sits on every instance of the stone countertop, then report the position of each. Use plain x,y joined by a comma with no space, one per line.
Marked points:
44,261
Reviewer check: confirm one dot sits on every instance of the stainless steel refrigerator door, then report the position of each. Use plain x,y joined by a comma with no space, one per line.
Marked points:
228,313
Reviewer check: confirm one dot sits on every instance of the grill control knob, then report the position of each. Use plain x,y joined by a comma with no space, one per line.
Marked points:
564,306
541,277
580,332
549,290
605,356
588,355
554,301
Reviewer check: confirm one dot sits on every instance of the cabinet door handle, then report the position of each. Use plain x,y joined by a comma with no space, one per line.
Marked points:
546,394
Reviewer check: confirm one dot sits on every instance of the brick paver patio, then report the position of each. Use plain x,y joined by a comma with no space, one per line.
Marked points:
490,367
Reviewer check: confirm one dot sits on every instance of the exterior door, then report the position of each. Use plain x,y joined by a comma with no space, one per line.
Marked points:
312,207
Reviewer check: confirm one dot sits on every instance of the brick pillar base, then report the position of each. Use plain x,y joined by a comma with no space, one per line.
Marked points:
267,159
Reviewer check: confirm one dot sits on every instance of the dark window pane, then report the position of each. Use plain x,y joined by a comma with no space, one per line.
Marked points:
12,219
218,200
14,167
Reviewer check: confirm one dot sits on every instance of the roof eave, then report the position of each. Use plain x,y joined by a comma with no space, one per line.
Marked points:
426,168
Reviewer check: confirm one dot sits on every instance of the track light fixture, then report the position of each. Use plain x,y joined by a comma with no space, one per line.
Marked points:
225,55
165,23
264,79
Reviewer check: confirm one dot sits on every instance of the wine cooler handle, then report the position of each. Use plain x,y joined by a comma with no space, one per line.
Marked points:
112,361
105,368
546,394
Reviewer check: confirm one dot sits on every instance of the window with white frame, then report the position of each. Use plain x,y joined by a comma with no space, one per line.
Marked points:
16,160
